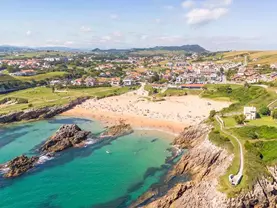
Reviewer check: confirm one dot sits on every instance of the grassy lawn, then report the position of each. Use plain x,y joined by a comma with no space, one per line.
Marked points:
180,92
38,54
267,121
42,96
255,132
240,96
50,75
7,78
229,122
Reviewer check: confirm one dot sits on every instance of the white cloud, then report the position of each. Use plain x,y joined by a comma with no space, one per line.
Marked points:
217,3
58,43
114,16
143,37
169,7
158,20
203,16
85,29
187,4
28,33
68,43
105,39
117,34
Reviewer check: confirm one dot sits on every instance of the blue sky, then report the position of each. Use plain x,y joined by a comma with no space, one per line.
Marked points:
214,24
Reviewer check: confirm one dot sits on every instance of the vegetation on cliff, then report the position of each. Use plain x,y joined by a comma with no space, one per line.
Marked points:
257,139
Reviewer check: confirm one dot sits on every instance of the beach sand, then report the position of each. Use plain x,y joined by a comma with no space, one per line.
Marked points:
171,115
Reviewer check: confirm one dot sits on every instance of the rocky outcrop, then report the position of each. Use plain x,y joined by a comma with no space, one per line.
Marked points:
41,113
19,165
67,136
205,163
118,130
191,136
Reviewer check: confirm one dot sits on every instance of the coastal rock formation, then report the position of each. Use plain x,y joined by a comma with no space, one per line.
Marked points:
19,165
67,136
206,163
118,130
191,136
41,113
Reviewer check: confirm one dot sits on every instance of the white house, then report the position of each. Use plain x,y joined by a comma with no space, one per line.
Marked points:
250,113
179,80
128,82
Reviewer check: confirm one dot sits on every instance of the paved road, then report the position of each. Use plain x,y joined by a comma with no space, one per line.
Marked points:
234,179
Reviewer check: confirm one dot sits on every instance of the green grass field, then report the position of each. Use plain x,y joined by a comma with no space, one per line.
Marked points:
267,121
39,77
258,137
263,57
42,96
38,54
180,92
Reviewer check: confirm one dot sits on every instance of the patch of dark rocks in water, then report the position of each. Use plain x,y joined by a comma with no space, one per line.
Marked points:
67,136
19,165
122,129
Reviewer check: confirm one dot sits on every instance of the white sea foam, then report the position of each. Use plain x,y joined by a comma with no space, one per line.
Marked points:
90,142
44,158
4,170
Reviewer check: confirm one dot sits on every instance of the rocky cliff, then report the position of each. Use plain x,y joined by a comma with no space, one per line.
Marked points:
67,136
41,113
206,163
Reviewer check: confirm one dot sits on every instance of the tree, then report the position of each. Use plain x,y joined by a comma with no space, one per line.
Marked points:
264,110
240,119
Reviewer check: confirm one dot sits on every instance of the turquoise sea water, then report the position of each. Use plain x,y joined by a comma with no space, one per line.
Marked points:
81,177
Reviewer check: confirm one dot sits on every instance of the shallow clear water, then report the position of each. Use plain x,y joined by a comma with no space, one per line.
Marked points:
83,177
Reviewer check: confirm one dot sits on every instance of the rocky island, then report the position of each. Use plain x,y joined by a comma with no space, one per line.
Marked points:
19,165
118,130
67,136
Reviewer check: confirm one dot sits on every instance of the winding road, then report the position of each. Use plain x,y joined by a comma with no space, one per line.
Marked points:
234,179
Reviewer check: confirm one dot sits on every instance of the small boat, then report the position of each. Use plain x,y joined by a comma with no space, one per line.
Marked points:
108,152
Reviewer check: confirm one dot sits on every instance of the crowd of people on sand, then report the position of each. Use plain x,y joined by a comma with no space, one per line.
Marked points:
188,109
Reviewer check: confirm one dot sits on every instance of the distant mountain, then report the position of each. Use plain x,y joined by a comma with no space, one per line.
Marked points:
58,48
19,49
185,48
9,49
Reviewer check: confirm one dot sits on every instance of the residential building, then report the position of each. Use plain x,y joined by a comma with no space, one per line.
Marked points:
250,113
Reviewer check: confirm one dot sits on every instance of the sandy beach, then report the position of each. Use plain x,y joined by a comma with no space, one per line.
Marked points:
171,115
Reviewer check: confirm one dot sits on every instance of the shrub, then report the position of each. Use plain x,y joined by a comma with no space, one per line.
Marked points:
212,113
240,119
264,110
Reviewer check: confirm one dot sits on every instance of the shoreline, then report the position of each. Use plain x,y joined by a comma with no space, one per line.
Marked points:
137,122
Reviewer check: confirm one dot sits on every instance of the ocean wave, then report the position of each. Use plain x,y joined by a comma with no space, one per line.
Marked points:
4,170
90,142
44,158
